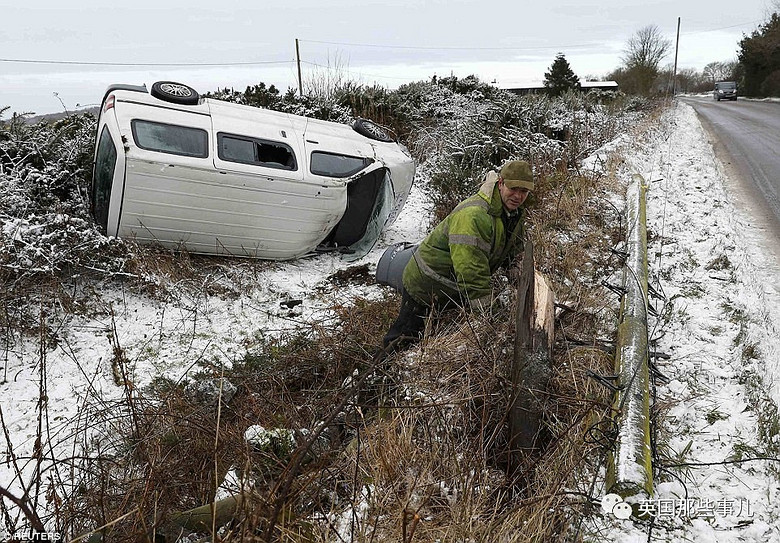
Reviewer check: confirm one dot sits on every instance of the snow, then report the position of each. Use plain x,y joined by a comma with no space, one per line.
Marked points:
719,327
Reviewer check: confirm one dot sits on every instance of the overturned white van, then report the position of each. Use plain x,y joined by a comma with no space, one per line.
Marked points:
214,177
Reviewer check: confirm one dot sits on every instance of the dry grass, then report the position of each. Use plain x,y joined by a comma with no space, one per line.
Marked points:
435,463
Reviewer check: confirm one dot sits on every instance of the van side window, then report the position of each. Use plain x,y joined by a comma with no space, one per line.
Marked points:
105,163
170,138
335,165
248,150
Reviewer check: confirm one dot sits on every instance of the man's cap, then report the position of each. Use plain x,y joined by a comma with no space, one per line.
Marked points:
517,174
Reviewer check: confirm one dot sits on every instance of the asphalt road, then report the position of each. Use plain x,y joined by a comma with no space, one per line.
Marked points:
746,137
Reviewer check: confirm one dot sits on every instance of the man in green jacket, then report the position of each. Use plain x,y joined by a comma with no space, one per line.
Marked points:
455,262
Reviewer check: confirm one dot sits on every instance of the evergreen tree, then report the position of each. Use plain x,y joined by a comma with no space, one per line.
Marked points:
759,55
560,77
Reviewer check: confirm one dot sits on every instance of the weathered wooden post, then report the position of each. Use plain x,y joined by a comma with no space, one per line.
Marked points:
532,361
629,467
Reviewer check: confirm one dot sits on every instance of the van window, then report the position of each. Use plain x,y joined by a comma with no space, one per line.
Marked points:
170,138
248,150
105,163
335,165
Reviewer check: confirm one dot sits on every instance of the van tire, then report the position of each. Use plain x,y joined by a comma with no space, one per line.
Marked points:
176,93
371,130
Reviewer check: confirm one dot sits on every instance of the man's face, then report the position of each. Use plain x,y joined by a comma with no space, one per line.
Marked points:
512,198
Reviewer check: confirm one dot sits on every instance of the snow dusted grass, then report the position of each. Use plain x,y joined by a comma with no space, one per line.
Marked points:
717,440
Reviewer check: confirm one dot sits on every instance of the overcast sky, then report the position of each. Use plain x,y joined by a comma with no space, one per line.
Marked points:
388,42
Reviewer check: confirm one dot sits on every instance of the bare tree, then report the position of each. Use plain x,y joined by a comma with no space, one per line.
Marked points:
646,48
644,52
720,71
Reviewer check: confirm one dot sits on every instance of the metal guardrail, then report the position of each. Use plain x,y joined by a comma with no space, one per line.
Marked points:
629,467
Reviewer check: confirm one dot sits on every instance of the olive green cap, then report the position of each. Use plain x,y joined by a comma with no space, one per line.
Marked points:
517,174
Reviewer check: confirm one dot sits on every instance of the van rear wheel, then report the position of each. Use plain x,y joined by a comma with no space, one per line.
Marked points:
176,93
371,130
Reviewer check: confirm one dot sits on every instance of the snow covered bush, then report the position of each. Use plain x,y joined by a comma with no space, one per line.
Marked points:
45,228
462,129
290,102
459,128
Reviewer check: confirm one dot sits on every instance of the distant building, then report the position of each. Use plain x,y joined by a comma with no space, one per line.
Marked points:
535,87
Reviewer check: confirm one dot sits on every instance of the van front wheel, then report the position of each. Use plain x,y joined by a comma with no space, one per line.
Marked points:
371,130
176,93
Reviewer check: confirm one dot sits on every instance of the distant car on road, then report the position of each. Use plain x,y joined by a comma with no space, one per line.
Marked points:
214,177
725,90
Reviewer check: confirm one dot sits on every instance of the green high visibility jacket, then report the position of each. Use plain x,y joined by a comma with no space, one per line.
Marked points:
456,260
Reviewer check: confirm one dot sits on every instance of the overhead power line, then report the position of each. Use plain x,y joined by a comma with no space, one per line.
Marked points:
346,44
507,48
721,28
144,64
454,48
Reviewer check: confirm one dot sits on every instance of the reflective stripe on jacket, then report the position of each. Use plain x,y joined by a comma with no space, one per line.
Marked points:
456,260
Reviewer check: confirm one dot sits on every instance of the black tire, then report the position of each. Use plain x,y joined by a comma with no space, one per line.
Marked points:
176,93
371,130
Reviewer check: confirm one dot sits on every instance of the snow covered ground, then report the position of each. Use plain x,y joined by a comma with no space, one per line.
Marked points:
720,330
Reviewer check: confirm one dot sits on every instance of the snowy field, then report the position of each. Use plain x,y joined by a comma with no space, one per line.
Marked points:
719,329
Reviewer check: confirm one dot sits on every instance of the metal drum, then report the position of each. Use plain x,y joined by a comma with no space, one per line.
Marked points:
390,268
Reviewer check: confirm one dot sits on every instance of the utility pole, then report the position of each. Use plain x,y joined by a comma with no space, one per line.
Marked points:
676,48
298,56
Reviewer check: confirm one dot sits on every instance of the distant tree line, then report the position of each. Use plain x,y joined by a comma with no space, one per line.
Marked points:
756,69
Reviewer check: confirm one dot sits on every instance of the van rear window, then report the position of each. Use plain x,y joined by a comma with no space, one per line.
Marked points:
247,150
335,165
170,138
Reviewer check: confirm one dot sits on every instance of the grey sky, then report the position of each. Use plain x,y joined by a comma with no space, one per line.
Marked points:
388,42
